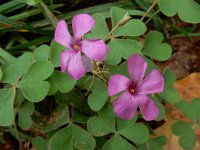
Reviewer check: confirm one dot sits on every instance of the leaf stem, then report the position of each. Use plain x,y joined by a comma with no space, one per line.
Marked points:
18,137
151,17
184,35
92,82
102,76
150,8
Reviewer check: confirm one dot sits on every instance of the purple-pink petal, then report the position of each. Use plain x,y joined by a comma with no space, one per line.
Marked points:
117,83
148,108
136,67
65,58
75,66
94,49
153,83
87,63
62,35
125,106
81,24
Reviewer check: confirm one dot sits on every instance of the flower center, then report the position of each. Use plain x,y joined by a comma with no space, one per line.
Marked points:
132,91
76,47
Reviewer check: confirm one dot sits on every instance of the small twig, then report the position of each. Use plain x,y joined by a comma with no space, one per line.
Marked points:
150,8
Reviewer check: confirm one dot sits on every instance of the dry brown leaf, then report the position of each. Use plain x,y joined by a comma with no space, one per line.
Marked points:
189,88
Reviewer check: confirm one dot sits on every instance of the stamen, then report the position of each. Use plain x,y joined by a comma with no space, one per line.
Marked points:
76,47
132,91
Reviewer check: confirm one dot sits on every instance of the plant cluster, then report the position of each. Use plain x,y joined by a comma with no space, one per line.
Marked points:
93,80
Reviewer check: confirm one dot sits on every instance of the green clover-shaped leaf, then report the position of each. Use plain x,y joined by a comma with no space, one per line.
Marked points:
187,135
134,27
72,137
191,110
97,99
118,143
161,108
102,124
121,124
100,30
32,85
117,14
7,96
25,111
61,117
56,49
42,52
170,94
169,7
137,133
39,143
156,143
14,71
122,48
154,48
188,10
122,26
99,95
60,81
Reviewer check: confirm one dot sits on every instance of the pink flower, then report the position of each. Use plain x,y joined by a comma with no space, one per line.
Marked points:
134,91
72,58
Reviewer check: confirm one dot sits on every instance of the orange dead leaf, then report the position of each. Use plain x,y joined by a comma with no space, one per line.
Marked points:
189,88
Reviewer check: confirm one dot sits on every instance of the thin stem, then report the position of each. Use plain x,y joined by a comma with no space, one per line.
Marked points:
157,11
122,21
100,77
18,137
110,33
184,35
150,8
99,71
14,123
181,31
28,145
178,119
148,147
113,98
90,85
102,73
